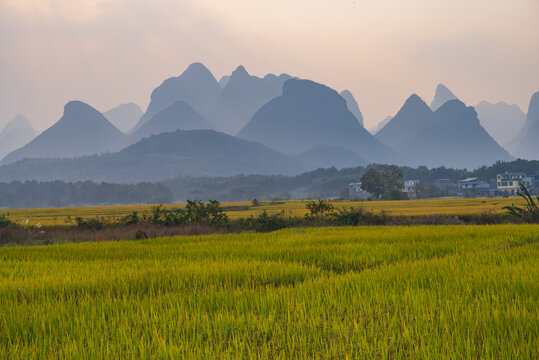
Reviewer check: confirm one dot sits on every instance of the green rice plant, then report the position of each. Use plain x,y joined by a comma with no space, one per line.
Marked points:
415,292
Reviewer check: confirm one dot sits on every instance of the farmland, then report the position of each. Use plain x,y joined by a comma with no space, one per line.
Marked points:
440,292
57,216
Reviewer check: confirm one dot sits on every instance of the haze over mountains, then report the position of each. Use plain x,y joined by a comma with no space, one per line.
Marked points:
178,116
242,96
309,114
441,96
82,130
291,124
526,143
163,156
352,105
124,117
18,132
196,86
502,121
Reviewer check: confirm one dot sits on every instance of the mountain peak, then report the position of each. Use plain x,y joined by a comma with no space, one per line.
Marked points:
240,71
18,122
197,68
441,96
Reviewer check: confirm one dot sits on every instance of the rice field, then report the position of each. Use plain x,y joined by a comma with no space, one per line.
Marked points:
424,292
57,216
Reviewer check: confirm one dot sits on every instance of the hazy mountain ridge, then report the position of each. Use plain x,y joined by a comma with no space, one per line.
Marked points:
124,117
526,143
501,120
178,116
406,124
441,96
309,114
16,133
82,130
453,137
241,98
159,157
196,86
352,105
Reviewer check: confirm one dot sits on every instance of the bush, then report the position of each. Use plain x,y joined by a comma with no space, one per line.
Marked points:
5,222
265,222
319,209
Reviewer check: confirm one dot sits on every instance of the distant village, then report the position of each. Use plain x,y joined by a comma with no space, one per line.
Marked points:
504,185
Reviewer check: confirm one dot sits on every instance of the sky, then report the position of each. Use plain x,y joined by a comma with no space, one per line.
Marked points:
110,52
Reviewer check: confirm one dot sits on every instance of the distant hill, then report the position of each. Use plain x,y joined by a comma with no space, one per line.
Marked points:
501,120
441,96
526,143
178,116
407,124
352,105
242,96
224,80
159,157
380,125
328,156
18,132
196,86
453,137
82,130
124,117
309,114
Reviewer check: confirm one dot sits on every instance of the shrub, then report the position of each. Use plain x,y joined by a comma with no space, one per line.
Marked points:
5,222
319,209
265,222
530,212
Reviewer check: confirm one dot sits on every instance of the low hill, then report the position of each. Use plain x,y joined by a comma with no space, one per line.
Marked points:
82,130
242,96
18,132
164,156
178,116
124,117
196,86
331,156
526,143
309,114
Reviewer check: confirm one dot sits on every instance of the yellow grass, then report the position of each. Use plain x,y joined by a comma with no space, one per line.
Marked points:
57,216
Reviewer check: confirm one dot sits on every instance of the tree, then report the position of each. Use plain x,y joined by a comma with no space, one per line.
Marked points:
371,181
391,177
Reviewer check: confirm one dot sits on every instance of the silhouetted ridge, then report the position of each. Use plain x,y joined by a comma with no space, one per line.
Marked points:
82,130
163,156
526,143
352,105
125,116
309,114
441,96
178,116
406,124
242,96
453,137
16,133
196,86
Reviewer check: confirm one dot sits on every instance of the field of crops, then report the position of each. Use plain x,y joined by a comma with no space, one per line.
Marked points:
437,292
57,216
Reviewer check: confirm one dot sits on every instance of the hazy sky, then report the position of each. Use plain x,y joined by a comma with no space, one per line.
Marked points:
109,52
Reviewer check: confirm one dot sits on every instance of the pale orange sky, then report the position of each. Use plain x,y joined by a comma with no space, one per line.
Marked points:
109,52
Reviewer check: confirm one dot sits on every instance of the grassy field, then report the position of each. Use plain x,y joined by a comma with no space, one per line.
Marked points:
57,216
436,292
